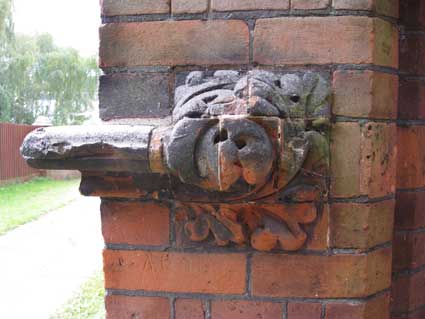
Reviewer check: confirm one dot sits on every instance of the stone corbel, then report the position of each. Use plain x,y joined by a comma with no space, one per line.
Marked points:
245,160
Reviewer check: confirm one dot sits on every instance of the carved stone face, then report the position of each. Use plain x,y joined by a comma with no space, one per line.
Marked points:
226,153
238,149
236,132
246,159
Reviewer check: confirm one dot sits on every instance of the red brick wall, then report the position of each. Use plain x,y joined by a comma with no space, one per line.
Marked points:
408,292
345,271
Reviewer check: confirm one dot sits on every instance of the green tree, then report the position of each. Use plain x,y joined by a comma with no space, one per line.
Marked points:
66,82
6,22
39,78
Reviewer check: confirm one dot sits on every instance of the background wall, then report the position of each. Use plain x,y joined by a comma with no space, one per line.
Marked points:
12,165
408,290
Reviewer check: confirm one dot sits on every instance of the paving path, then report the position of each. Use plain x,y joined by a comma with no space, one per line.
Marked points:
44,262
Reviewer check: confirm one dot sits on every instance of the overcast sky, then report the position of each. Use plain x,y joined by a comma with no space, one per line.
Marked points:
72,23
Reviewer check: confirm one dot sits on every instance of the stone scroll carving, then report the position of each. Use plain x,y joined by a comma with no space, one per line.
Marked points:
247,155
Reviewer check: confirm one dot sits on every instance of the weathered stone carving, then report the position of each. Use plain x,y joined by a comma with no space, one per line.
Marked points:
257,93
247,155
264,227
236,128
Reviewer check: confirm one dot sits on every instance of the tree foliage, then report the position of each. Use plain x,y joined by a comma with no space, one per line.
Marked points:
6,22
38,78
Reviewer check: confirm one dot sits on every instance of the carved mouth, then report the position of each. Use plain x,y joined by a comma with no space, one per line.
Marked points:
235,149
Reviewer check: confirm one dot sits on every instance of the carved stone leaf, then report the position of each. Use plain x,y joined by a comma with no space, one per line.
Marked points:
221,223
264,227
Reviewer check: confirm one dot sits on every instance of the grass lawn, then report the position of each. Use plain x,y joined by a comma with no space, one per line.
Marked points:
88,303
24,202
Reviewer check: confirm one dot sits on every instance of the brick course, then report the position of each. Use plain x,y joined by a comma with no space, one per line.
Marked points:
134,95
175,272
384,7
309,4
234,5
361,226
411,157
304,310
321,276
363,159
365,94
376,308
132,7
123,307
189,309
313,40
245,310
189,6
193,42
135,223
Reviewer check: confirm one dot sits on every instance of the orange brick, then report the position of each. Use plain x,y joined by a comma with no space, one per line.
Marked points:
365,94
189,6
234,5
388,7
361,226
123,307
319,239
411,157
307,276
377,308
172,43
135,223
324,40
189,309
245,310
363,159
385,7
175,272
304,310
378,159
132,7
345,159
130,187
309,4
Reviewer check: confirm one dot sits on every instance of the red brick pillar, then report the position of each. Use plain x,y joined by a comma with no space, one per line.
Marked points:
408,292
344,268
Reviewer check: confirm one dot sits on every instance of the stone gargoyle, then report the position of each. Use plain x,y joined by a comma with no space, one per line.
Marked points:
246,156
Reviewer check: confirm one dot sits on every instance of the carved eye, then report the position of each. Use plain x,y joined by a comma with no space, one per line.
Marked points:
277,83
209,99
221,136
240,144
295,98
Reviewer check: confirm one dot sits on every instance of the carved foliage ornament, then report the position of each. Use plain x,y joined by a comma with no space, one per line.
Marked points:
257,137
247,155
